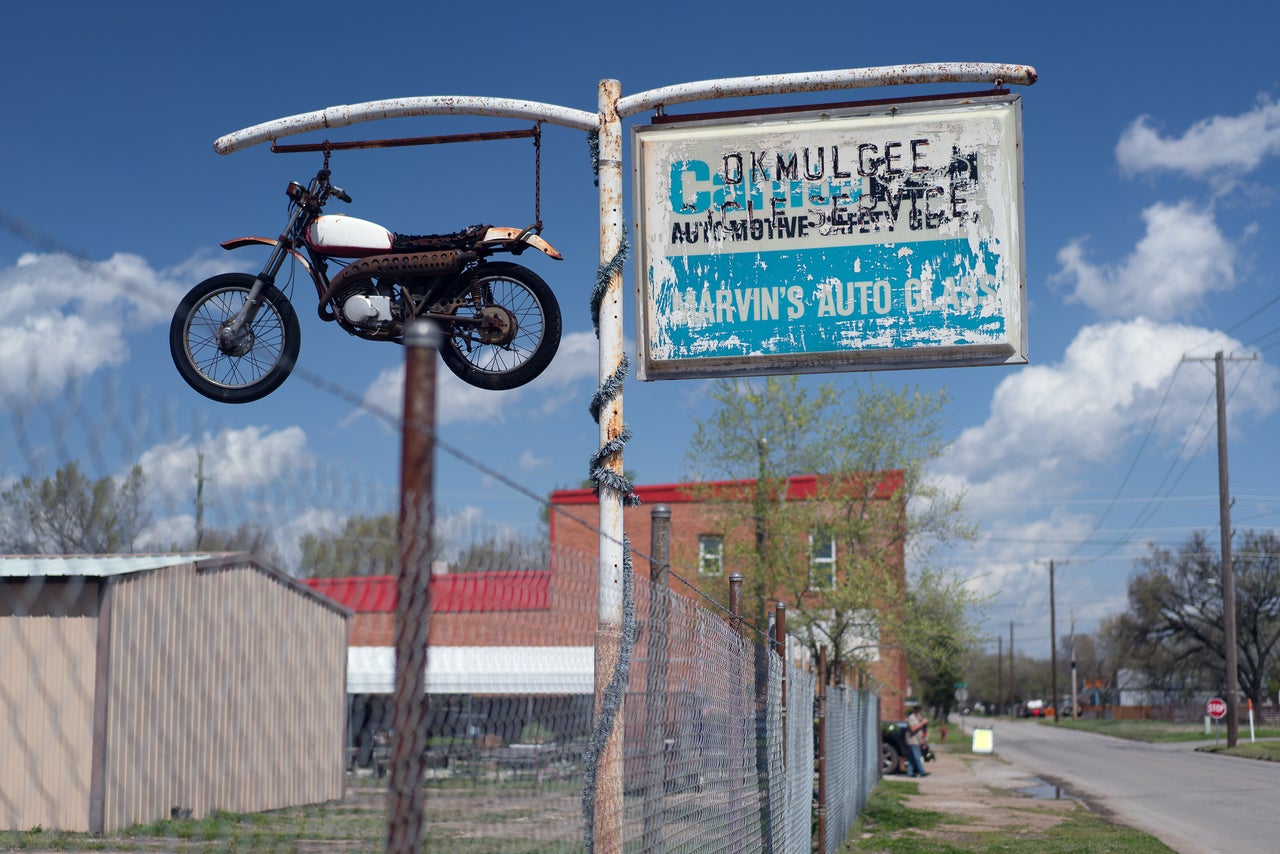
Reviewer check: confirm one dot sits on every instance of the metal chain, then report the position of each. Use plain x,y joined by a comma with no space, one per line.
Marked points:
537,175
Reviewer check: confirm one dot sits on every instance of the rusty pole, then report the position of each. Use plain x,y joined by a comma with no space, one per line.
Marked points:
780,646
655,713
405,798
607,810
735,601
820,761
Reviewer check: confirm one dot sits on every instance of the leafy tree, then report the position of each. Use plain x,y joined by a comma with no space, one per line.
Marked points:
70,514
939,635
365,545
1174,621
835,556
502,555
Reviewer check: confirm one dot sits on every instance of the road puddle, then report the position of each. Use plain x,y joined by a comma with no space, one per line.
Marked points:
1044,791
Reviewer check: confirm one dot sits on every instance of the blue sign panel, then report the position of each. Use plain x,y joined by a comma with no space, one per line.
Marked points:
826,242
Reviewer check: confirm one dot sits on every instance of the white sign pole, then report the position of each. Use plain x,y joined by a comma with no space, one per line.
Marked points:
608,801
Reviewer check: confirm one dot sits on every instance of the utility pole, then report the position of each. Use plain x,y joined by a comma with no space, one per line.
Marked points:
1053,644
1075,704
200,479
999,673
1011,692
1228,574
1224,524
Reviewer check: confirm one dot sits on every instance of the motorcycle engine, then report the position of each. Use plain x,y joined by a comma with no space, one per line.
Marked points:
373,309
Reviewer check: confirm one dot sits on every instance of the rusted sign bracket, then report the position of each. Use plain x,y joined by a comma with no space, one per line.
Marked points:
535,133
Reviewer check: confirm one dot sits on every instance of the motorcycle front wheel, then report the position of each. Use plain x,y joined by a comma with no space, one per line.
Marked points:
518,329
244,369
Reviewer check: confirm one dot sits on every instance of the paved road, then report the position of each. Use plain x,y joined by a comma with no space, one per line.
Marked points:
1193,802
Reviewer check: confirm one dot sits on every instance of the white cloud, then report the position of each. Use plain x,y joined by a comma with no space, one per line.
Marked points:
235,461
1182,257
168,533
1050,423
456,402
1210,146
65,319
460,403
530,462
310,521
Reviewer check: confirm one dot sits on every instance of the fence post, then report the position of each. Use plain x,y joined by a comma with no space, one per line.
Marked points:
405,797
735,602
655,712
780,646
821,759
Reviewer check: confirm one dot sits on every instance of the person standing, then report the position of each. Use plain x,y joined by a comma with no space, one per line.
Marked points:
916,724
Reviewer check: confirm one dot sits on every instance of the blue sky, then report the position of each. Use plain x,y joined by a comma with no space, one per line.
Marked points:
1152,171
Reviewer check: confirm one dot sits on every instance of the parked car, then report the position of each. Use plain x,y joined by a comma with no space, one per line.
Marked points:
1033,709
893,747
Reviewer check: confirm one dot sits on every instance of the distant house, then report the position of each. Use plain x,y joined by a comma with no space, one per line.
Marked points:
139,687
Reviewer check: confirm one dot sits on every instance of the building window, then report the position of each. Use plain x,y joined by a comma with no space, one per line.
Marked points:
822,561
710,554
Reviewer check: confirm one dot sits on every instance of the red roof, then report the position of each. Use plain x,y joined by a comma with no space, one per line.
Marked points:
527,590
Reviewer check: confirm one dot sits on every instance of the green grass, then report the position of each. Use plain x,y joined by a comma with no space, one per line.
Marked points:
1159,731
888,825
359,824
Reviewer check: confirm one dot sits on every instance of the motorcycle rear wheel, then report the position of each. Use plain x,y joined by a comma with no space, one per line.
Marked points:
220,372
524,335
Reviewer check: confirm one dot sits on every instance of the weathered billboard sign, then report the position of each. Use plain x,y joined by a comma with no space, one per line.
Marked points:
858,238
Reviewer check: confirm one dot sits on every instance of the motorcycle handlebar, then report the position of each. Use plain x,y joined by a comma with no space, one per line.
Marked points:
339,193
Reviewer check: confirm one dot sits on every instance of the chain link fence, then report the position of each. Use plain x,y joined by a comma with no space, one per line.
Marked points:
258,721
852,760
149,694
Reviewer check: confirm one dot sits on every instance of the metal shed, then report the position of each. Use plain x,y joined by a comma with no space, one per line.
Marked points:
139,687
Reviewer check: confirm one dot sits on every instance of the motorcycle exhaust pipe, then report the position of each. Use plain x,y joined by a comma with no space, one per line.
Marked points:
439,263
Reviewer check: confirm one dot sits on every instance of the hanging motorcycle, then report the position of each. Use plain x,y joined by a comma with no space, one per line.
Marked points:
235,337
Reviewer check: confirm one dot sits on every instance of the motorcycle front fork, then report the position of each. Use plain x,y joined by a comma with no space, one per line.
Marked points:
234,338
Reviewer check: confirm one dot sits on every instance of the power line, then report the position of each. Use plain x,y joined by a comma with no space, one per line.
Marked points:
1137,455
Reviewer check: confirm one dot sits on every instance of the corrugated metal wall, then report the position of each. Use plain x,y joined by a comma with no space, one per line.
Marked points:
227,691
47,639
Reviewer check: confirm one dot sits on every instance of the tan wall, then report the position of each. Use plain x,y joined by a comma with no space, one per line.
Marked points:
47,641
227,691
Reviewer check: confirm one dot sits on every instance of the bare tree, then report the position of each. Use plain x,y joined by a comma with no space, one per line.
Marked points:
70,514
1174,620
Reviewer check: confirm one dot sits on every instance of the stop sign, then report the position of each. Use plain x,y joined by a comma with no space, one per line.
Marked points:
1217,708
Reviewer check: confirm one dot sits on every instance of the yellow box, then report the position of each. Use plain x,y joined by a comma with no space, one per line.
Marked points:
984,740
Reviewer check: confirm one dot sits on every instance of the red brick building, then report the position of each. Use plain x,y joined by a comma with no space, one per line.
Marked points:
529,632
694,529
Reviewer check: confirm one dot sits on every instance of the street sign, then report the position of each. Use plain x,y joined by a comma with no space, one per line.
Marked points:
1216,708
856,238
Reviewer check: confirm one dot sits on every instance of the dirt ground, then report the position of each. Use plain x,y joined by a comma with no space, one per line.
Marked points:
990,793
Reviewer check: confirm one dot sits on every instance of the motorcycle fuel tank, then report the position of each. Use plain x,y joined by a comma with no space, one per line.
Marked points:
347,236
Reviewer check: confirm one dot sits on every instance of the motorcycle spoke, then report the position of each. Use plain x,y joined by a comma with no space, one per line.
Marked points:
502,358
227,370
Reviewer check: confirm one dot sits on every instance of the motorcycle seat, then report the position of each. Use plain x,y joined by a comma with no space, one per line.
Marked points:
414,242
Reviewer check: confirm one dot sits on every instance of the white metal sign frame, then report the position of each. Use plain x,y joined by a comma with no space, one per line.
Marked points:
858,237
